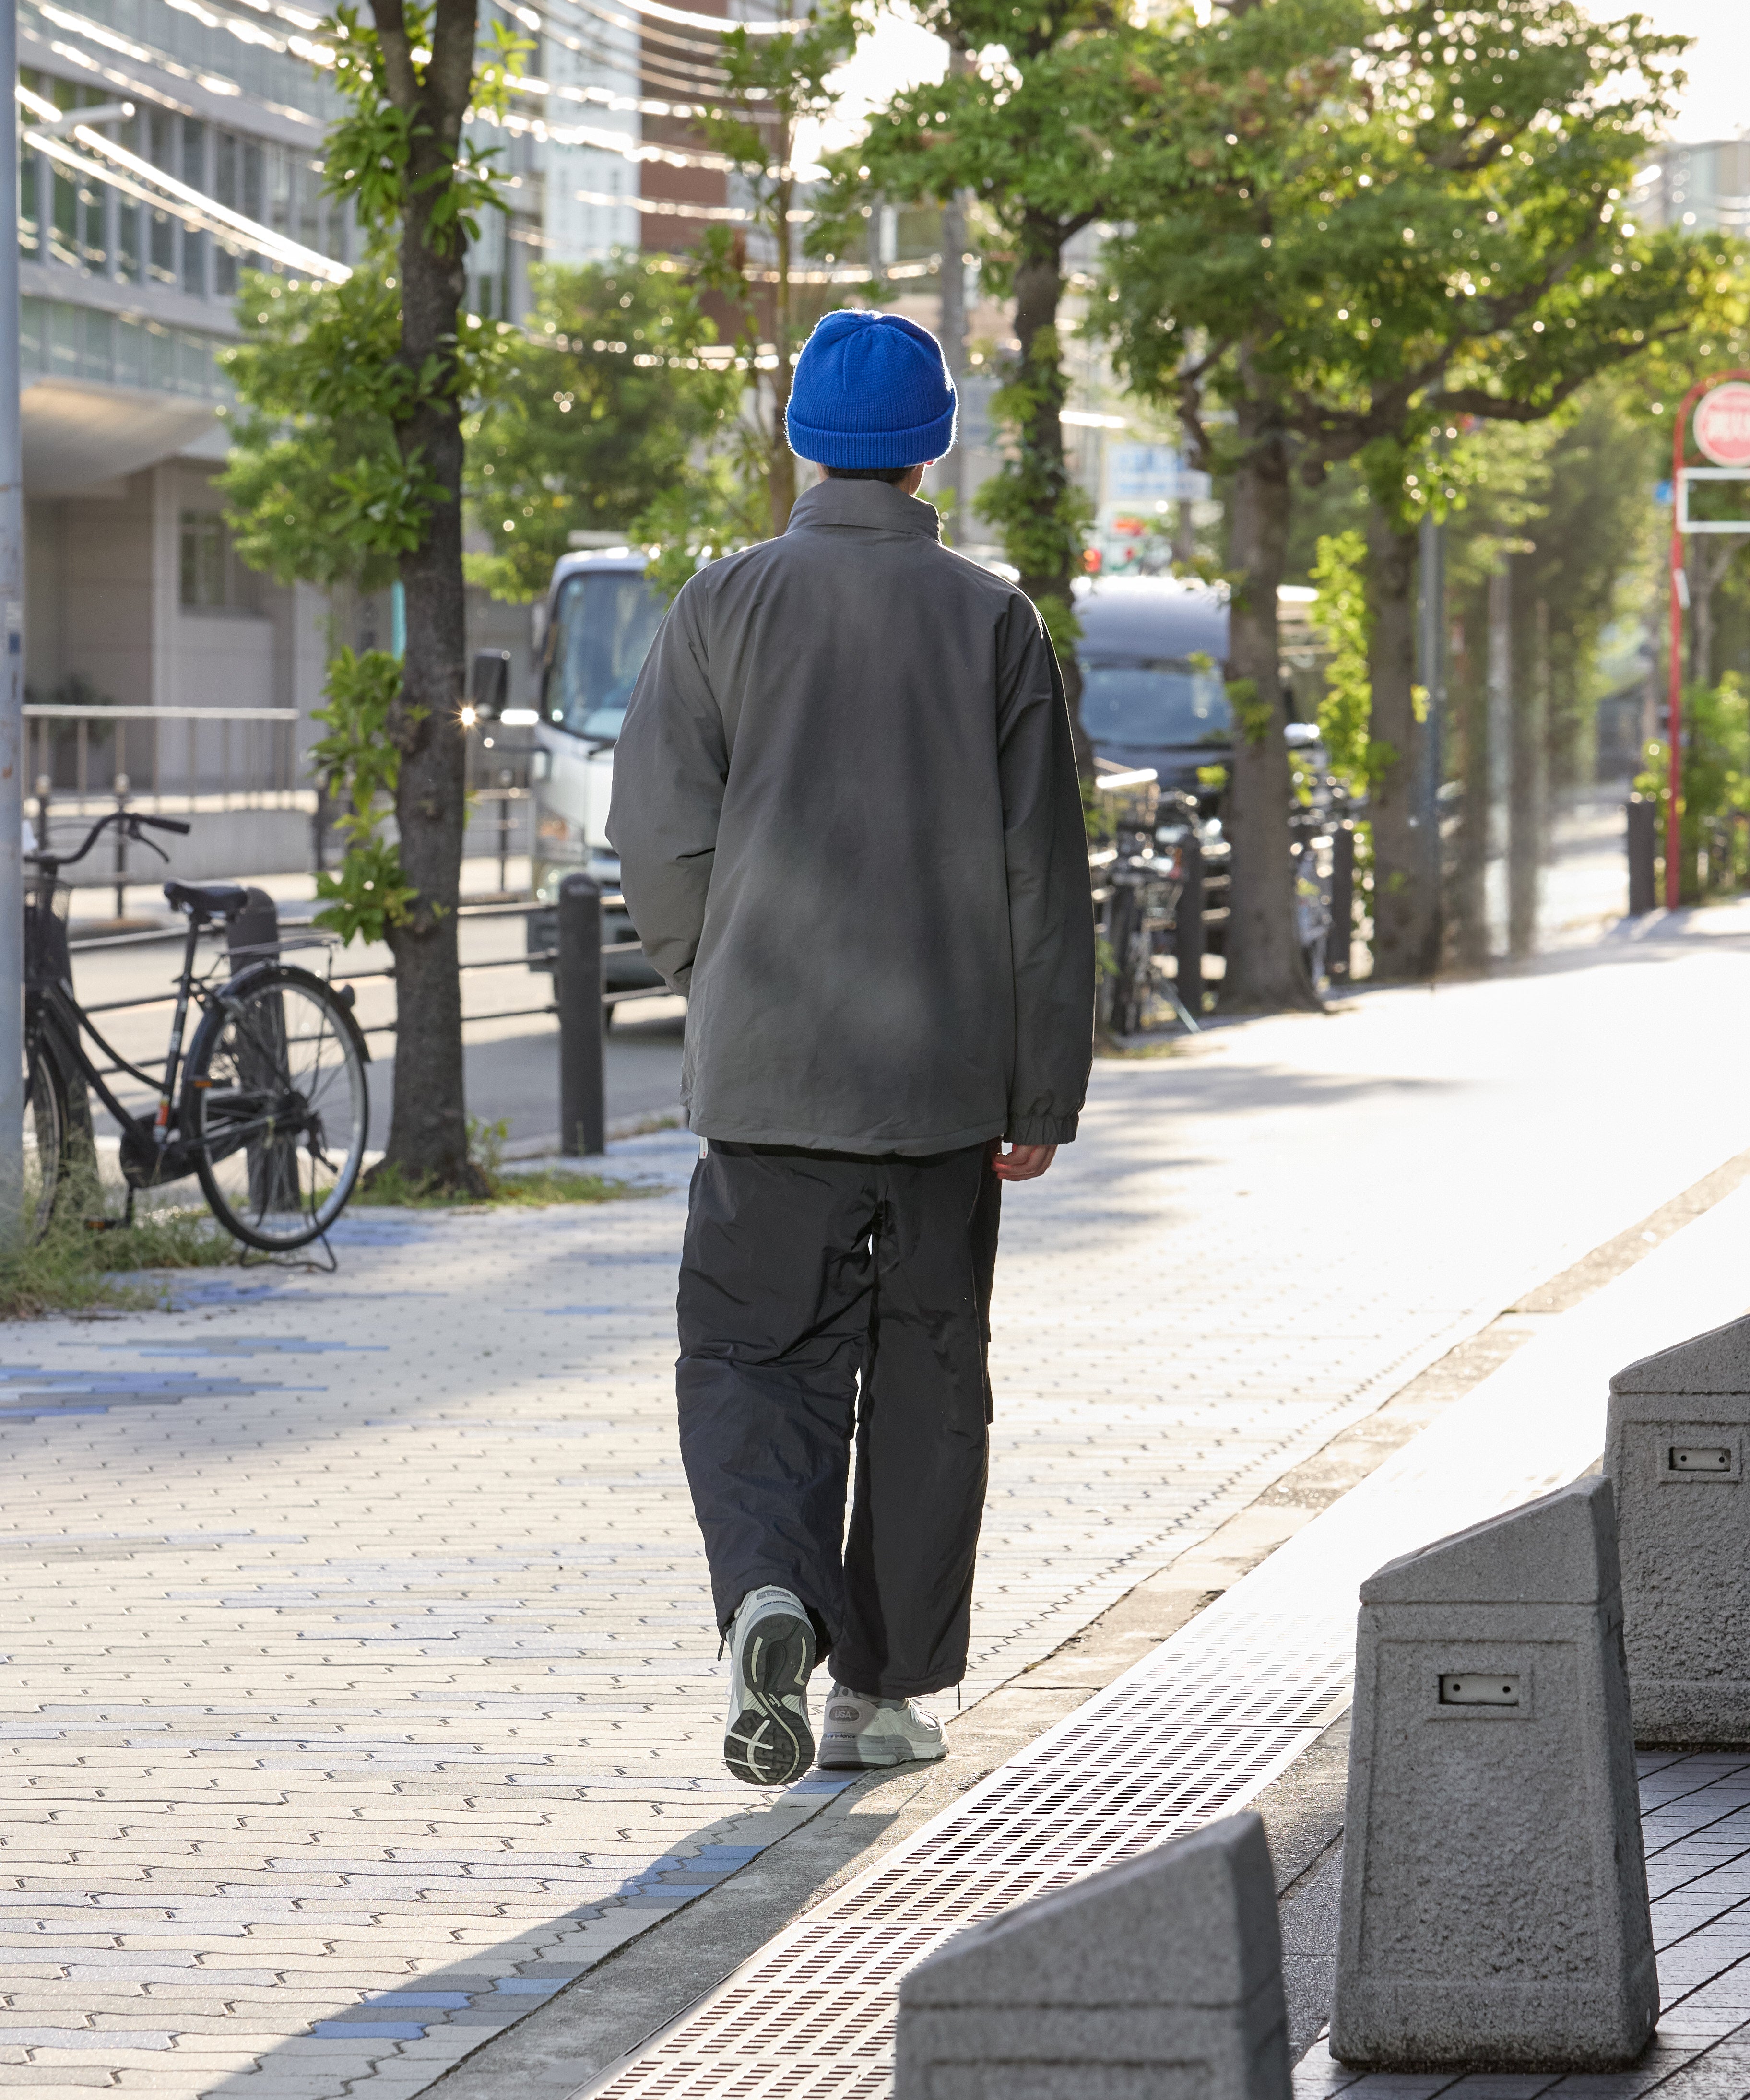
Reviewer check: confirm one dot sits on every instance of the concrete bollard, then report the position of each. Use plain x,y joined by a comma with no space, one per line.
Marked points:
1159,1979
1674,1455
1494,1909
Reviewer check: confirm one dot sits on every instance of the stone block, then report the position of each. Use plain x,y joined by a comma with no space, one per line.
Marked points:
1674,1455
1494,1909
1159,1979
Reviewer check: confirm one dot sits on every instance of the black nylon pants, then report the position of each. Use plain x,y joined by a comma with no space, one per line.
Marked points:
828,1300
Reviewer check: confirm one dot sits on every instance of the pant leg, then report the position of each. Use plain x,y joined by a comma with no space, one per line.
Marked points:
776,1284
922,1433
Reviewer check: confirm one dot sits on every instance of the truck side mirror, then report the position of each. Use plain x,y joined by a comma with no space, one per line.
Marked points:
489,684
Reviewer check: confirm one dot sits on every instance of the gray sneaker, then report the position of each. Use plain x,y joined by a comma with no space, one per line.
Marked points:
767,1740
863,1734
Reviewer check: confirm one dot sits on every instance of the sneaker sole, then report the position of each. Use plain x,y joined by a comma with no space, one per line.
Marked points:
842,1754
768,1744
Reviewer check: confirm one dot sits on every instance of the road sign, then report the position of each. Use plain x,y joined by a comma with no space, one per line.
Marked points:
1722,429
1153,473
1722,424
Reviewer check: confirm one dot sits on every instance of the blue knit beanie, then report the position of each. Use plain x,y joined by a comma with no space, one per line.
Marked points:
871,390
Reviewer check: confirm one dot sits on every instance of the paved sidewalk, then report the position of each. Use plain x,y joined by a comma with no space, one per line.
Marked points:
359,1684
1198,1728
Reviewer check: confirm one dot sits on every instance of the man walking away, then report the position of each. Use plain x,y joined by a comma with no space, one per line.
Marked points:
849,830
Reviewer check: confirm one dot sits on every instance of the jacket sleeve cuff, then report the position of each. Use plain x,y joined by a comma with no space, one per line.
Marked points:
1039,1130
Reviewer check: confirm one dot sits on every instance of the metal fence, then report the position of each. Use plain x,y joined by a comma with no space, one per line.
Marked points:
181,758
206,761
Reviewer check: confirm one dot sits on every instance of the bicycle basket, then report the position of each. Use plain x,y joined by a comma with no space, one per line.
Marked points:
47,958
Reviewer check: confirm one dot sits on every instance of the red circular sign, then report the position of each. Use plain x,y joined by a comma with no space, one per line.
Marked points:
1722,424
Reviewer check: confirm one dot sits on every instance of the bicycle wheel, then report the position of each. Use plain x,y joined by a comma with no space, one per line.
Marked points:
48,1133
276,1106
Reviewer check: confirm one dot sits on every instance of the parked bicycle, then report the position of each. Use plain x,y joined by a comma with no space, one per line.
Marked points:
1140,888
1321,847
268,1108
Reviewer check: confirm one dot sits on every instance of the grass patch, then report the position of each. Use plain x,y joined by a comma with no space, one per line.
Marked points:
78,1267
389,1186
1107,1046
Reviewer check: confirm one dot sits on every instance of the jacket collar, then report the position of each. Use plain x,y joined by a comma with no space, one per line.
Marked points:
876,506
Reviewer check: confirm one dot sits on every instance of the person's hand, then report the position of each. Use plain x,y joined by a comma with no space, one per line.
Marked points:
1022,1163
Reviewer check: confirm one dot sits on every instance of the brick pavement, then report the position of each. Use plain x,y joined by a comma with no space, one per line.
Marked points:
359,1683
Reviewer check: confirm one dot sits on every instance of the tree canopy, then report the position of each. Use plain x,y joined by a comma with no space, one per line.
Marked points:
597,410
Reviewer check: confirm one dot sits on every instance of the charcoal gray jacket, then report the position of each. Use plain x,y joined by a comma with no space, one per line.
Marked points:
849,830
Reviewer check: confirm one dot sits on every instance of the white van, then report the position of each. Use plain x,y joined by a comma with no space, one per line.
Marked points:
599,622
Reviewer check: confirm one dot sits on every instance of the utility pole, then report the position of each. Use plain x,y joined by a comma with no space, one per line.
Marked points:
1430,668
12,680
952,281
1527,796
1501,707
954,309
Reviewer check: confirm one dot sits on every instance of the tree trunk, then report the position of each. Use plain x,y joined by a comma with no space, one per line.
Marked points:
1047,546
1265,966
428,1136
1405,898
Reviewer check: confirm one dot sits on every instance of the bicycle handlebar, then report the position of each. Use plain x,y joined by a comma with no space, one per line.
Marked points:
133,818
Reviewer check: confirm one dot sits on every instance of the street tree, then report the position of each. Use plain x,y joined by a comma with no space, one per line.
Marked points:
365,386
1034,126
1423,226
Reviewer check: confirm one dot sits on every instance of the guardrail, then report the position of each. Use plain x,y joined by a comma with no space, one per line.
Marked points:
578,997
190,761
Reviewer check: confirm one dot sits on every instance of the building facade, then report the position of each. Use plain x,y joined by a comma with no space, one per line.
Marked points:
133,241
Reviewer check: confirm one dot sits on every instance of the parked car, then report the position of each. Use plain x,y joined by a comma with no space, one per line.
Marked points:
1153,654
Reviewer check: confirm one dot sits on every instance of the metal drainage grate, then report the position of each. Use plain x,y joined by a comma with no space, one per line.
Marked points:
1194,1731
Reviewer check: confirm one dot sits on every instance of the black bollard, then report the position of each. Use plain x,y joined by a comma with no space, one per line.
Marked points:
1187,930
1643,850
578,981
1121,917
1340,941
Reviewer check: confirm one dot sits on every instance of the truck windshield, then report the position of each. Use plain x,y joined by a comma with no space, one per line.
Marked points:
603,628
1154,704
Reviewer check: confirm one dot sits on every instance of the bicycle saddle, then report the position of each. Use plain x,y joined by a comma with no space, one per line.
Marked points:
205,900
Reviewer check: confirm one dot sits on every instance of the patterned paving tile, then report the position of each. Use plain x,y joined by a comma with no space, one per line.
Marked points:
363,1649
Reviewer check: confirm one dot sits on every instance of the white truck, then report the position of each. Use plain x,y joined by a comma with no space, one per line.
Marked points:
599,621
